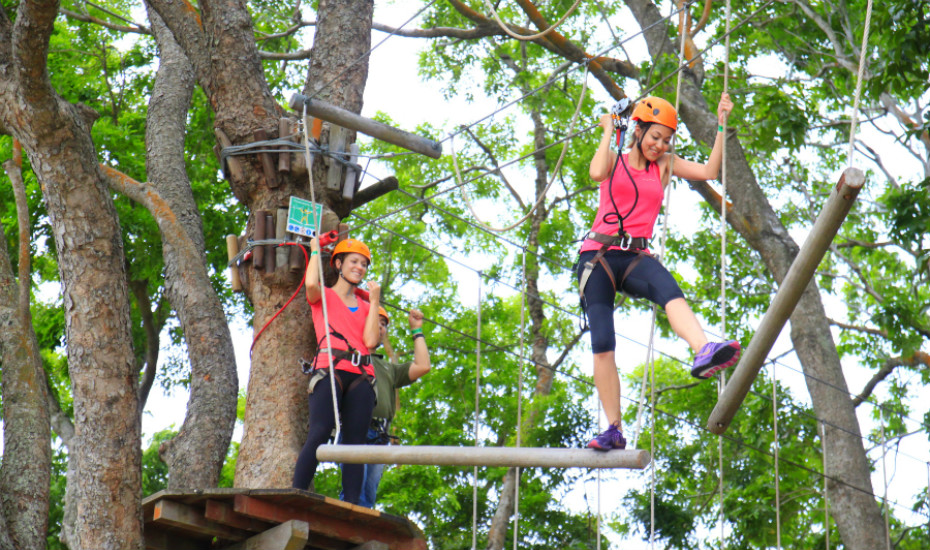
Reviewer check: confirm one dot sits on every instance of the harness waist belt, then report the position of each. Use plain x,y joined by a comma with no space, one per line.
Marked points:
355,357
625,242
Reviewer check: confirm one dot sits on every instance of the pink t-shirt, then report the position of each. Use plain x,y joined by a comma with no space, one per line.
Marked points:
639,222
350,324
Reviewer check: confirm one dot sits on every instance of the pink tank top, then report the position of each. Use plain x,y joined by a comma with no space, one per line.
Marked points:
642,219
350,324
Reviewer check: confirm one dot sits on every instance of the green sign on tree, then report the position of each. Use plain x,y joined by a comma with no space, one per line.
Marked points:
302,216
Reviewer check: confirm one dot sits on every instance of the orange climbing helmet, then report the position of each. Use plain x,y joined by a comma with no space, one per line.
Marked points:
656,109
383,312
347,246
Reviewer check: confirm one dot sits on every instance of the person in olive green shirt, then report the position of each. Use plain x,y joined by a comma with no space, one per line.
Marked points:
389,377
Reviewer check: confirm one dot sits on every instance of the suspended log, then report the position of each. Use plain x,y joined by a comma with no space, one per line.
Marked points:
786,299
523,457
347,119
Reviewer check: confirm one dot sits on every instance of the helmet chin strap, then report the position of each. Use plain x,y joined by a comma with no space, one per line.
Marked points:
346,279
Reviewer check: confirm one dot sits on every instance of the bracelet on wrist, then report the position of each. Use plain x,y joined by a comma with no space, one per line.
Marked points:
416,331
719,127
314,252
419,335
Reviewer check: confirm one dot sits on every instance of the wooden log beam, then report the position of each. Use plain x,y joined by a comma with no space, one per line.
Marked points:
290,535
524,457
374,191
169,513
347,119
786,299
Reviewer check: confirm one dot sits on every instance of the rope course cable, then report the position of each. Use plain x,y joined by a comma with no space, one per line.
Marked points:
527,37
555,171
858,93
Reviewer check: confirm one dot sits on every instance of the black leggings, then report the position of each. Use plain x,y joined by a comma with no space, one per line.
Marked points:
355,408
649,279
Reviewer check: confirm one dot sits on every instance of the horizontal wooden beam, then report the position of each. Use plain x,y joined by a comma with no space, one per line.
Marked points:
786,299
190,519
347,119
290,535
373,191
524,457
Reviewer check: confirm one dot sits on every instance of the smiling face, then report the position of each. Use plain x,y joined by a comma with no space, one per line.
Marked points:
353,267
382,326
654,141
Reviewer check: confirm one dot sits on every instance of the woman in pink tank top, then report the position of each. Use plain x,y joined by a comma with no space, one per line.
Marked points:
631,190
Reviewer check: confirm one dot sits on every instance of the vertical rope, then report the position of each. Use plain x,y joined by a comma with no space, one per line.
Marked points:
474,492
858,94
885,481
516,489
777,449
598,523
329,344
826,501
722,380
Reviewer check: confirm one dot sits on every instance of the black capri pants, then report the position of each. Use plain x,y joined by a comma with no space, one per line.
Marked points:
355,404
649,279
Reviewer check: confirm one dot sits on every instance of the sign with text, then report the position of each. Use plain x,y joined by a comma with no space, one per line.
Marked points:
303,216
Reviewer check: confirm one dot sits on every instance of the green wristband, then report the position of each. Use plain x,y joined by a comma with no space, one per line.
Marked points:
719,128
314,252
416,331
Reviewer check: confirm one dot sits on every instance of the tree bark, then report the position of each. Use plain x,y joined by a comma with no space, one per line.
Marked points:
195,456
854,509
105,454
25,472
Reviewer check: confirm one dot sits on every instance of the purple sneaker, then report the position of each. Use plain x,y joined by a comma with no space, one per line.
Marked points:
715,357
610,439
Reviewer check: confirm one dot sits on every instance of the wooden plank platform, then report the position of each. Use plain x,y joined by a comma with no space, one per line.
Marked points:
215,519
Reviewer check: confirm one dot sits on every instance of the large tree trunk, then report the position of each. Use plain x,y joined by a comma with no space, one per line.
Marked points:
26,469
105,454
855,511
195,456
220,45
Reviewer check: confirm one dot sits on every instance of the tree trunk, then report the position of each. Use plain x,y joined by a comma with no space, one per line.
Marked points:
195,456
25,472
105,454
220,45
854,509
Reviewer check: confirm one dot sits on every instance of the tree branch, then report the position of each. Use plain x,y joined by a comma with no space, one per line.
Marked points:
137,28
497,169
867,330
919,358
34,24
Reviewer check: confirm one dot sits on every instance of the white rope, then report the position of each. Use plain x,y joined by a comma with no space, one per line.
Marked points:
776,451
826,501
885,506
516,489
722,380
329,344
858,94
474,511
527,37
555,171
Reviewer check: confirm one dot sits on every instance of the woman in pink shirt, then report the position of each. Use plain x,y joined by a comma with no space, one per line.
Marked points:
353,329
615,255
